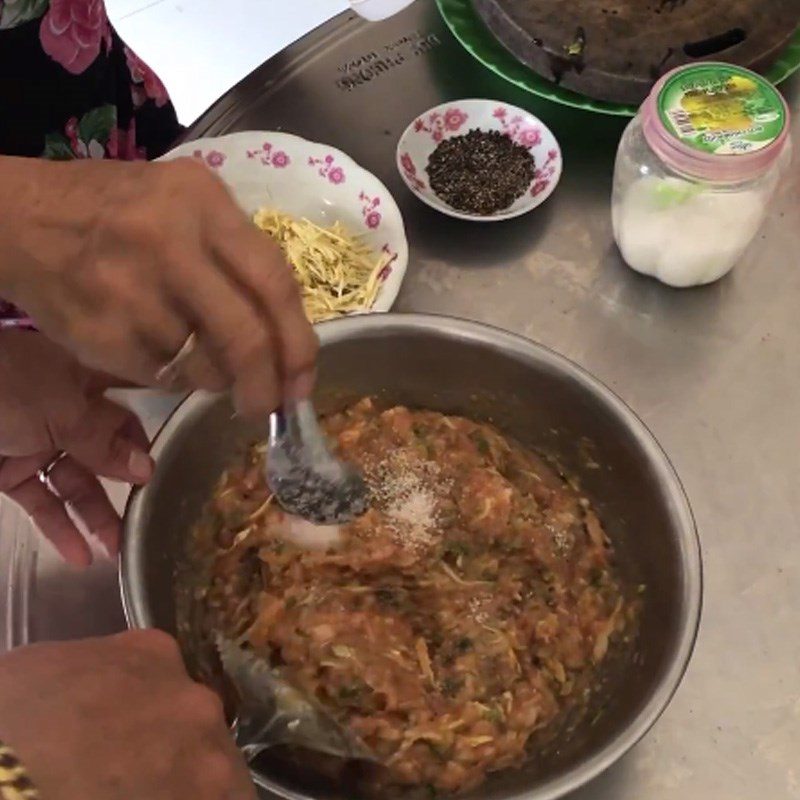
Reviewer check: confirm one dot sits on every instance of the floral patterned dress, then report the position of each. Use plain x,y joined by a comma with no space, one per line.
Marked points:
70,88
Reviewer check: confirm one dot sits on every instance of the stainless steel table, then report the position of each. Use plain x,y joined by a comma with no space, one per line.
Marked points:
714,372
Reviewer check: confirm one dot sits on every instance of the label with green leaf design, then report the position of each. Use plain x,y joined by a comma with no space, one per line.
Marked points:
721,109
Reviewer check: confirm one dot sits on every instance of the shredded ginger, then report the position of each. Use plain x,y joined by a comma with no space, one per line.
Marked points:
338,274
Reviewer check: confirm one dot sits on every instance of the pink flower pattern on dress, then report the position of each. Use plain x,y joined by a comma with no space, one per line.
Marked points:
122,144
326,168
78,64
95,135
146,84
213,158
369,210
515,128
73,31
93,148
437,123
270,157
410,172
71,129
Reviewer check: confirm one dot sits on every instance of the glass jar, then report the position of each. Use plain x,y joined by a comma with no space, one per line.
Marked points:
695,172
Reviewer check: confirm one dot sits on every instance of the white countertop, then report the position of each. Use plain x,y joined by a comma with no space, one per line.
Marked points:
200,48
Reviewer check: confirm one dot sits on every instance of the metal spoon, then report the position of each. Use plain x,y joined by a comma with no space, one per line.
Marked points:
306,479
271,712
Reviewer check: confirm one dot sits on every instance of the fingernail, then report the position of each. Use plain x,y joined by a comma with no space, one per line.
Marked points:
302,386
140,466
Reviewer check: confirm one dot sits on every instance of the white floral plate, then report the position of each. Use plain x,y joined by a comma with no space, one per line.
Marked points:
454,119
306,179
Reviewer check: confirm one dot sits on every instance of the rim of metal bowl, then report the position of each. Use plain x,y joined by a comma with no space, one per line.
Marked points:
331,332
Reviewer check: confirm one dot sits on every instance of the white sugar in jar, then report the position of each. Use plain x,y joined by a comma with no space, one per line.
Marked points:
695,171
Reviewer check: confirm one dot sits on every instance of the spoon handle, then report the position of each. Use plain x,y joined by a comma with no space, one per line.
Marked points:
296,424
278,425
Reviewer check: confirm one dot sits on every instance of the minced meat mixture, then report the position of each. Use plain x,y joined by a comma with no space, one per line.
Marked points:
465,611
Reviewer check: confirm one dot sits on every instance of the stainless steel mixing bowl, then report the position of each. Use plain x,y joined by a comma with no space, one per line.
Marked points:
531,393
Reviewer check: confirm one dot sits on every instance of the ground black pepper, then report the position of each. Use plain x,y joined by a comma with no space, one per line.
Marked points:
481,172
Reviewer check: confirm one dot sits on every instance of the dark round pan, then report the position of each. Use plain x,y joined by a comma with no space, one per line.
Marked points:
615,50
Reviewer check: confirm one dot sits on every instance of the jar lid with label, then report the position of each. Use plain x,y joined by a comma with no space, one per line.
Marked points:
716,121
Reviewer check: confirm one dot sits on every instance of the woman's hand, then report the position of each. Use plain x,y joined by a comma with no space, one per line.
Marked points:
117,719
122,262
48,404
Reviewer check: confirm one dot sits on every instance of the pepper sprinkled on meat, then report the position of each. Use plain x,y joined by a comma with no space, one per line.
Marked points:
467,610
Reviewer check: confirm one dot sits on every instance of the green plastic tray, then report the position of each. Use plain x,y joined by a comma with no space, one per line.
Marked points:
468,28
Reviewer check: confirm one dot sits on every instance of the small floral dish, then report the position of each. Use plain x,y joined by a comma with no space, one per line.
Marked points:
312,181
448,120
